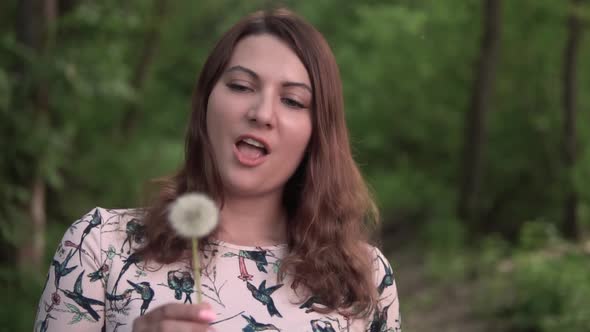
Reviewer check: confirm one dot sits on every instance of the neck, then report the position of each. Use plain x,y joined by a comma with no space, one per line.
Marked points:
252,221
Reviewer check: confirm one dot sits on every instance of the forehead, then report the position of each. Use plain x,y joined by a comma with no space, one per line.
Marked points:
270,58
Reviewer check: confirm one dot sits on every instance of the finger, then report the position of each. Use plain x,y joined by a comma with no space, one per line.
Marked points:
181,326
185,312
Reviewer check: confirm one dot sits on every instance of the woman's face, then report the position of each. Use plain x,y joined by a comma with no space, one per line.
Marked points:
259,116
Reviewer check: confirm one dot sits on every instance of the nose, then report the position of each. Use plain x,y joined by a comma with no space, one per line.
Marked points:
262,113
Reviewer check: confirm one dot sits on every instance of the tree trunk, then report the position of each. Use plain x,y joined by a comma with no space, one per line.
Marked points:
570,56
475,120
35,29
140,73
67,6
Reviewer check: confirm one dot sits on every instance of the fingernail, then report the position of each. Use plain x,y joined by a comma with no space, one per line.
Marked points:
207,314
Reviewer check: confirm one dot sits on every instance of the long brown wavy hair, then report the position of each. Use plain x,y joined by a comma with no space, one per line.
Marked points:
330,210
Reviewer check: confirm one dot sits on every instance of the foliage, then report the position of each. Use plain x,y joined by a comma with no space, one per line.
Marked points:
19,299
541,284
546,289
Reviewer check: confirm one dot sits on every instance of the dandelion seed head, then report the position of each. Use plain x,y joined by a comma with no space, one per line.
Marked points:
193,215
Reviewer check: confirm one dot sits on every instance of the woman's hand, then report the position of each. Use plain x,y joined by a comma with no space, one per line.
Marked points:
176,317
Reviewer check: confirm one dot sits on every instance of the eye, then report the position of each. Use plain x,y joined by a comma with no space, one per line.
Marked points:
292,103
238,87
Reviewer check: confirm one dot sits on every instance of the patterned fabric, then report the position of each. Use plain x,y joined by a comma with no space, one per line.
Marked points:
97,283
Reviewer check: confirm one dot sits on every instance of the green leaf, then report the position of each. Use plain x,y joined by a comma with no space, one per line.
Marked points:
76,319
73,308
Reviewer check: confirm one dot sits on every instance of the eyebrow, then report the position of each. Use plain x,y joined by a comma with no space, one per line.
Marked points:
256,77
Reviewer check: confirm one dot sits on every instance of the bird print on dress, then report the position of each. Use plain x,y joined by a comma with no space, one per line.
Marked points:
146,292
387,278
258,256
99,274
316,326
310,303
181,282
103,295
86,303
254,326
94,222
135,232
61,269
125,296
380,317
132,259
263,295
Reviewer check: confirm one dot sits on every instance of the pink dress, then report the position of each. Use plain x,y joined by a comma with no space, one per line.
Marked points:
97,283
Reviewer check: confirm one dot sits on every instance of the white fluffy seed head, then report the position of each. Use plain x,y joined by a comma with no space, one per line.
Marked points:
193,215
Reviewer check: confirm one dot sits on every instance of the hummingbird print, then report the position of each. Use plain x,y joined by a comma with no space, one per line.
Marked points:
71,244
95,221
62,269
147,294
258,256
126,295
135,232
254,326
309,303
263,295
387,278
315,326
86,303
98,274
132,259
181,282
379,322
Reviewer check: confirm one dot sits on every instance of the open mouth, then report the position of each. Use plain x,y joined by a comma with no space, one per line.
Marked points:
251,149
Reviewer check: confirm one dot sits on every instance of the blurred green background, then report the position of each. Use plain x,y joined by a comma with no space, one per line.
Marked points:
469,118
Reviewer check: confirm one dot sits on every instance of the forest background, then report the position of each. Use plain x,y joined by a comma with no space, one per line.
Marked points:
469,118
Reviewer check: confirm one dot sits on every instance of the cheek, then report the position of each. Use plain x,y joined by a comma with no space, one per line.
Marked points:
214,121
213,109
299,136
210,112
218,113
305,130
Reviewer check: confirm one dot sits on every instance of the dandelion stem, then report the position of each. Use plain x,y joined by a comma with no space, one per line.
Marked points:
197,267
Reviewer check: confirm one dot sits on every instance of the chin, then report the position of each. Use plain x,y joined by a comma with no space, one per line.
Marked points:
247,191
246,187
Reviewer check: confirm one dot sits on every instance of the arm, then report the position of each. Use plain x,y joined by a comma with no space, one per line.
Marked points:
70,300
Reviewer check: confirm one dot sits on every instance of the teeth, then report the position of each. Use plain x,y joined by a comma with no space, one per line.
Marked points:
253,142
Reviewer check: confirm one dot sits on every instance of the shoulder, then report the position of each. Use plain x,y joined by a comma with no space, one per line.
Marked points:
380,262
103,219
383,272
122,226
119,216
103,227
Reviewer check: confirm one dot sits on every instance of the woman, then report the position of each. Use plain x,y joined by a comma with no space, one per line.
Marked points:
267,140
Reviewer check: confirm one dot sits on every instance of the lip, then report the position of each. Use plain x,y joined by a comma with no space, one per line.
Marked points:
249,161
259,139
